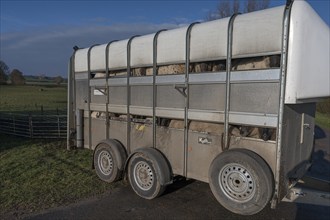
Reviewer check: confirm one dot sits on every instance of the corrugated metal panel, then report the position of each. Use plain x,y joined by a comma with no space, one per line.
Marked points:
98,57
118,55
209,40
142,50
80,60
171,46
258,32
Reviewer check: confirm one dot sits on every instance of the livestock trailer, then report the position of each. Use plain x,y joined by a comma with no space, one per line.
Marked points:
229,102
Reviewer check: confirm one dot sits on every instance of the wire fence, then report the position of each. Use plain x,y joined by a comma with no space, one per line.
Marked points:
34,126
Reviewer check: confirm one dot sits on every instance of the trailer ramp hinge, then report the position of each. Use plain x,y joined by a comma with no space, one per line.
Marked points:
181,89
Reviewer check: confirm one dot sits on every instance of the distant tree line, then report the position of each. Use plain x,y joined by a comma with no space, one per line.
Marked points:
16,77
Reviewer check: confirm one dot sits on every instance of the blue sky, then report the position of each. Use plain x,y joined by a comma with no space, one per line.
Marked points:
37,37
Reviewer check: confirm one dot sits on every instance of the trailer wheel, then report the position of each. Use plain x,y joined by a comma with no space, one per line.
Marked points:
148,173
241,181
109,160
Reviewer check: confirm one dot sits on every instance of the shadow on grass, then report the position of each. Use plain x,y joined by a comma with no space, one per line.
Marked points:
320,167
72,165
8,142
319,132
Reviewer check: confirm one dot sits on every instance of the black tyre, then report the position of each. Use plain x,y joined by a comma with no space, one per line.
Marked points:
109,159
241,181
146,172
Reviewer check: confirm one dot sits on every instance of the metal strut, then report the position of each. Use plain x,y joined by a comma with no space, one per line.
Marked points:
89,96
71,104
283,70
225,144
154,88
107,135
129,94
185,93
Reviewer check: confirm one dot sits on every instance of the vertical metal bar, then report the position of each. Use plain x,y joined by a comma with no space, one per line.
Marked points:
71,102
185,138
283,70
58,126
89,97
107,135
128,103
69,108
14,124
154,89
225,144
302,128
32,134
74,94
30,126
80,128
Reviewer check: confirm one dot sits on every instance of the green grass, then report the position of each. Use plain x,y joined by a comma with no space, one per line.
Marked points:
323,120
40,174
32,97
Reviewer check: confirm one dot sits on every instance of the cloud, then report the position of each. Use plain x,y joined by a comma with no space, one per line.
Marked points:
47,50
98,20
12,23
182,21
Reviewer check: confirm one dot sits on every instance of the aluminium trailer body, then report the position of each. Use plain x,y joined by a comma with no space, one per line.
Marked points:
119,115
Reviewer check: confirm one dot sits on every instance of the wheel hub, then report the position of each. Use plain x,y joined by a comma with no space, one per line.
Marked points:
105,162
236,182
143,175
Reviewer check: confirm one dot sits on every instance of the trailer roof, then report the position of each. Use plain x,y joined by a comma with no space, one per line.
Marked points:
254,34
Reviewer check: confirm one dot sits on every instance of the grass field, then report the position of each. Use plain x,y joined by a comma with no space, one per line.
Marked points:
39,174
32,98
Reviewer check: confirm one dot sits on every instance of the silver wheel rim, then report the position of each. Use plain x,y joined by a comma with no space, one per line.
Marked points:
105,162
236,182
143,175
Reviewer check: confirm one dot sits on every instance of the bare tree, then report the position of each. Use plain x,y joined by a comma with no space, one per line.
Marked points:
224,9
3,77
17,77
235,6
227,8
255,5
4,72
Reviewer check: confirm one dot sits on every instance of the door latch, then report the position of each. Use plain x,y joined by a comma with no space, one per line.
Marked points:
307,126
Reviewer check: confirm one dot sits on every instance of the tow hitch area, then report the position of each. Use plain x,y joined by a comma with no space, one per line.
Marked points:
310,190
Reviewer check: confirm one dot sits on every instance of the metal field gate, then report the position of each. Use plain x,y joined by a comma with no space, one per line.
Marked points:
33,126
